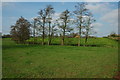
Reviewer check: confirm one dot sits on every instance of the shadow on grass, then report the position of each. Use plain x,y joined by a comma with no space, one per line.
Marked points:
38,44
19,46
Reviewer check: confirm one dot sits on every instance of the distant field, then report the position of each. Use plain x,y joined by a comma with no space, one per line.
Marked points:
56,61
74,41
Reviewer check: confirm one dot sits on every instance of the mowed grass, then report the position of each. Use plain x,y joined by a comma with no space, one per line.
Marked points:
55,61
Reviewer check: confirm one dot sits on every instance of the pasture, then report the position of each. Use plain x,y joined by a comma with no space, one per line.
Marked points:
56,61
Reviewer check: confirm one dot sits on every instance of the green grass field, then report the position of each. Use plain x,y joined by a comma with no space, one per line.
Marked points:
56,61
104,42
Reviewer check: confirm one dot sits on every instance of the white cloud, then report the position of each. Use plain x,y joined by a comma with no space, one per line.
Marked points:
56,16
107,17
97,24
99,8
111,17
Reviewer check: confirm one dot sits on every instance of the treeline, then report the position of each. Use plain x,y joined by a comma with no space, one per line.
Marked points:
77,23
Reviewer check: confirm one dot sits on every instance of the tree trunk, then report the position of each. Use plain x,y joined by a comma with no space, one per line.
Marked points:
34,33
63,34
79,39
43,36
62,41
86,39
49,38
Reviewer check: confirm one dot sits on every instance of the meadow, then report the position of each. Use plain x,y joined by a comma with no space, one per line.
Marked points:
56,61
98,42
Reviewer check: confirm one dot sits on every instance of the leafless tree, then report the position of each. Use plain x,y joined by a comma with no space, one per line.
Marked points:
44,16
80,12
50,11
63,23
88,25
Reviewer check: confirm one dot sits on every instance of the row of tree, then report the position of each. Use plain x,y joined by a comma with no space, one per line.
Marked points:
45,24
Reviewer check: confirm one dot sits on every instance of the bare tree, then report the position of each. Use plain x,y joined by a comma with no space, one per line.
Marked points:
34,27
44,16
50,11
63,23
80,12
88,25
53,31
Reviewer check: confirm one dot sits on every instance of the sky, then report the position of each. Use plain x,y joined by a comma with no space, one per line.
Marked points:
60,0
105,13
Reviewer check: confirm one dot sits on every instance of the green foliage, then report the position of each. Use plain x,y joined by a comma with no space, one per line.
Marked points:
20,32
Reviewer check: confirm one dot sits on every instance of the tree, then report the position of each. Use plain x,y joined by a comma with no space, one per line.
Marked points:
53,31
6,36
113,34
88,25
80,12
20,32
44,15
63,23
34,26
50,11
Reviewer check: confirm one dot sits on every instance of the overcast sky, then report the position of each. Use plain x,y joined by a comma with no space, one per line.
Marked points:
105,13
